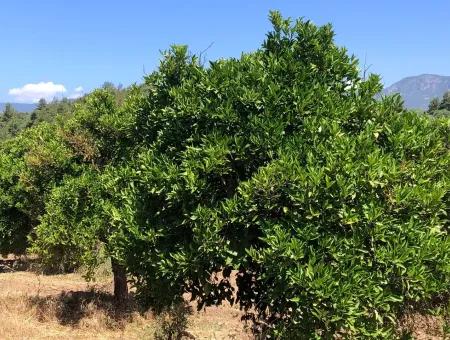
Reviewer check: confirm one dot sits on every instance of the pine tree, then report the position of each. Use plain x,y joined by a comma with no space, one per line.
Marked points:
8,112
434,105
445,102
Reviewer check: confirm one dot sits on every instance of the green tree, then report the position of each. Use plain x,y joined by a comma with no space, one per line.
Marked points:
282,165
438,107
445,102
30,166
11,122
52,172
41,107
50,112
77,225
8,112
434,105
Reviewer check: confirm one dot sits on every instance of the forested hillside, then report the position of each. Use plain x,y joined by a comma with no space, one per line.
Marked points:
14,121
278,169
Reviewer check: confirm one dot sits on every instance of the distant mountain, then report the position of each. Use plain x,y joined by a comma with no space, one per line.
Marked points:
419,90
19,107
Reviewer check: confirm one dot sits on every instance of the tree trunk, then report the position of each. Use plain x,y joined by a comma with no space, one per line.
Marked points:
120,282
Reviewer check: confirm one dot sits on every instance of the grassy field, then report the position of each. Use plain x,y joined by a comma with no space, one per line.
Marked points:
36,306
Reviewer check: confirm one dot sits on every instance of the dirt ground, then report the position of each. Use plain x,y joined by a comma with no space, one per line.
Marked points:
66,307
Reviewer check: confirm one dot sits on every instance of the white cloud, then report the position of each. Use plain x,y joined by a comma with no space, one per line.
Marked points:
31,93
78,92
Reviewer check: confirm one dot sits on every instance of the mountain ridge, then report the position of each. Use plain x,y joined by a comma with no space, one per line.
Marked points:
417,91
21,107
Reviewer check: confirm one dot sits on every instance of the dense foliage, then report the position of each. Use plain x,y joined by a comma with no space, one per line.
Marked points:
30,165
331,206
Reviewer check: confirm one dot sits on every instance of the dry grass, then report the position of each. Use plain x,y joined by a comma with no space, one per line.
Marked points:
66,307
63,307
427,320
424,327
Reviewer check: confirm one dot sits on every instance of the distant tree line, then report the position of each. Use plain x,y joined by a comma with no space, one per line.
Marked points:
440,107
12,121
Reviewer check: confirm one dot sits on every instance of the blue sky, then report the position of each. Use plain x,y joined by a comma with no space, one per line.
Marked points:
75,46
